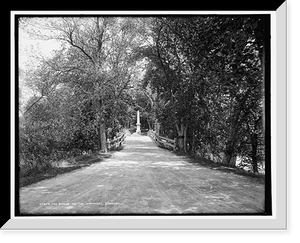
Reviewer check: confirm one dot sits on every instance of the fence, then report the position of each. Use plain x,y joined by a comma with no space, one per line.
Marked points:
162,141
116,143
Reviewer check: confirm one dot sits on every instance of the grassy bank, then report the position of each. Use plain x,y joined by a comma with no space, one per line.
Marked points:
225,168
37,174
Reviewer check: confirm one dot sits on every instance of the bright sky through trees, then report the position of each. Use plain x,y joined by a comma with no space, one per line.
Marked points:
29,50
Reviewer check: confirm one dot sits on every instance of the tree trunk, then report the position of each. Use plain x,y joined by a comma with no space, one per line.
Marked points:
157,126
181,131
102,131
229,157
264,76
254,152
260,38
149,125
180,143
180,140
185,139
254,144
102,127
193,149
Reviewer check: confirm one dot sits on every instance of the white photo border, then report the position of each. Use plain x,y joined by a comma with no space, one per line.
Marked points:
278,219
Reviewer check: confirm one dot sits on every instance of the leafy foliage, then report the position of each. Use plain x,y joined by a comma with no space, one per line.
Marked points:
199,78
208,73
82,91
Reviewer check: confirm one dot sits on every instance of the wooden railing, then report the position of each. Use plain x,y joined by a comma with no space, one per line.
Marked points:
116,143
162,141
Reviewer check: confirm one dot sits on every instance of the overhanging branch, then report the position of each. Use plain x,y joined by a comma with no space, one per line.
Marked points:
71,42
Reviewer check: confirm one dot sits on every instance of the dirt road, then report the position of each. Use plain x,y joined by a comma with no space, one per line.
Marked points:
143,179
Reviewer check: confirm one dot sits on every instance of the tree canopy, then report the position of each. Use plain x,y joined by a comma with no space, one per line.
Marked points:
201,78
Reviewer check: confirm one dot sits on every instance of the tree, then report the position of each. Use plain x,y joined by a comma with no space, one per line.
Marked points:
99,58
209,71
81,90
242,74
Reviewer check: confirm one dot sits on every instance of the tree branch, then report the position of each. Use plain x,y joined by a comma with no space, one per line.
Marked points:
71,42
33,104
124,87
100,33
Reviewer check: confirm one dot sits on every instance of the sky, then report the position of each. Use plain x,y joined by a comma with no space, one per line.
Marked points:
29,46
28,49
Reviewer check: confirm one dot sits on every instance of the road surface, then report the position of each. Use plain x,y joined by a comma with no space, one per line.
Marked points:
143,179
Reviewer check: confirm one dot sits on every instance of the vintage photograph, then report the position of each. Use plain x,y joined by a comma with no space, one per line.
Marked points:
143,115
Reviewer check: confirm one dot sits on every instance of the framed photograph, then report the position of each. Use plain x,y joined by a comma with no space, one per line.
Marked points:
148,120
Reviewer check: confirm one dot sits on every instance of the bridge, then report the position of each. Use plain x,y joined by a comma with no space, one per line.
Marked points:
144,178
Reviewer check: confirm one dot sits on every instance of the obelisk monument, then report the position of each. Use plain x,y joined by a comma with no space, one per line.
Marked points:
138,124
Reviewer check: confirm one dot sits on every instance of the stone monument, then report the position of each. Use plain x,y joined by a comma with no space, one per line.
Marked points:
138,124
